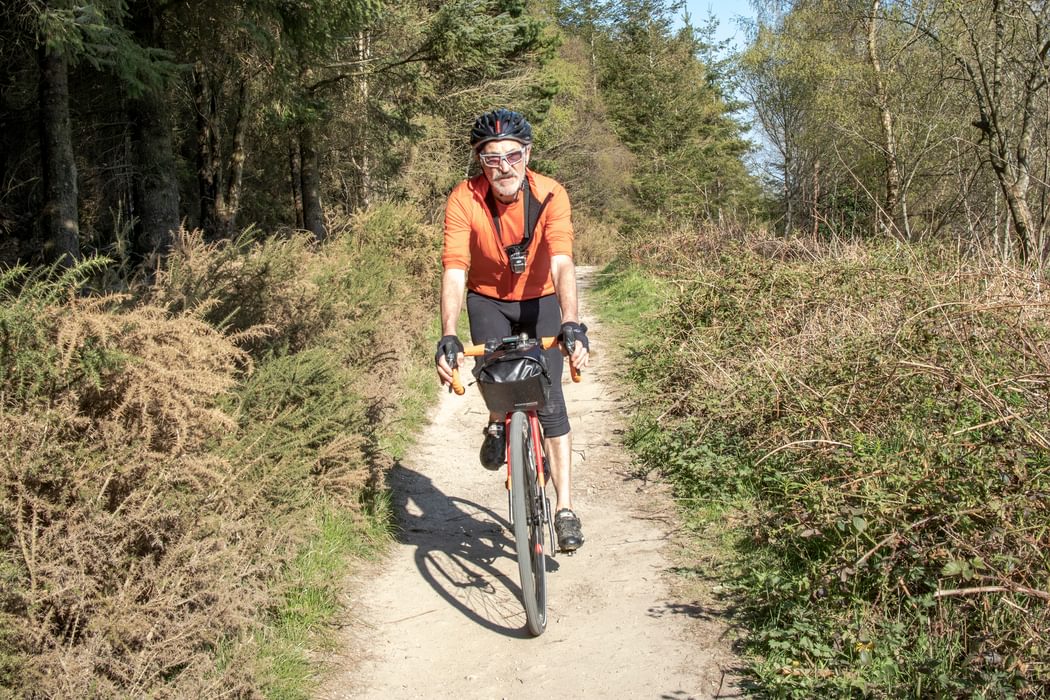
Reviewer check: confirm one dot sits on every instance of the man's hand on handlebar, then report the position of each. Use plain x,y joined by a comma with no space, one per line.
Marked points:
574,340
451,349
449,355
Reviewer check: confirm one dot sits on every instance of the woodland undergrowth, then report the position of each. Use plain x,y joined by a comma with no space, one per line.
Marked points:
873,419
167,454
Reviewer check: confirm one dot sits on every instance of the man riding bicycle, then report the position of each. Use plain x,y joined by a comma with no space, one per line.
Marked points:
508,245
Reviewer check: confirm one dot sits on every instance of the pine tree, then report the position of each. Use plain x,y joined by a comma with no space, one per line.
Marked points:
668,108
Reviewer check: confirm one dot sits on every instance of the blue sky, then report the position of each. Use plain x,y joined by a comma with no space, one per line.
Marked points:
725,10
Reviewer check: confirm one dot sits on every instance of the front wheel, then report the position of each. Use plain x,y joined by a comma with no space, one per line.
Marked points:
527,516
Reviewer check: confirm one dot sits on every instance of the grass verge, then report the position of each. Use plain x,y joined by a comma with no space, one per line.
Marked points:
301,626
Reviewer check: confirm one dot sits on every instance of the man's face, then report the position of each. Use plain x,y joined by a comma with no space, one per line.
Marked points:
504,177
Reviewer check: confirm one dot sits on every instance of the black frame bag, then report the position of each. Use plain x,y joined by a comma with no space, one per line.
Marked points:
514,380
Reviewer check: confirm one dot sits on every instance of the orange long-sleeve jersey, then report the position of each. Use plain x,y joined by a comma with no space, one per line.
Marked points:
472,244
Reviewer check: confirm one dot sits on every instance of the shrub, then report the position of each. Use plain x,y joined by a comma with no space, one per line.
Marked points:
885,410
167,460
117,576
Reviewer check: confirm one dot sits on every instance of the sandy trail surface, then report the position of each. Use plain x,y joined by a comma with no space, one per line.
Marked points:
441,617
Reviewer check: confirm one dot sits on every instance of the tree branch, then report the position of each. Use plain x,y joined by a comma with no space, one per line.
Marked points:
992,589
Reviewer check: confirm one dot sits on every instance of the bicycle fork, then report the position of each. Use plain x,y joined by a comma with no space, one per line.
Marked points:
541,493
542,506
540,450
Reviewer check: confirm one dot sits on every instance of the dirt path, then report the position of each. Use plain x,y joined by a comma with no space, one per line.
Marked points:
441,618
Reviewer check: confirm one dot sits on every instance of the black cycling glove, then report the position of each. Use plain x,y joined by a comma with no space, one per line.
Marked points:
571,333
448,347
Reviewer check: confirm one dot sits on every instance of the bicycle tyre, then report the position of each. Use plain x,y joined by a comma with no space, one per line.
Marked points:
527,516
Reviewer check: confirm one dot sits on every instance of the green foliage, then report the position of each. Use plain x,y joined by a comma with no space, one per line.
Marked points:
462,31
286,294
884,413
577,142
96,33
28,354
304,433
373,84
245,283
631,298
309,602
312,32
667,107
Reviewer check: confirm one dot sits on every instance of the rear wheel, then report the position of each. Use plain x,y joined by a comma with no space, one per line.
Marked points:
527,515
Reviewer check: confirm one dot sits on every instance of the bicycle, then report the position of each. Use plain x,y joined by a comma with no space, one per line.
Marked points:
519,397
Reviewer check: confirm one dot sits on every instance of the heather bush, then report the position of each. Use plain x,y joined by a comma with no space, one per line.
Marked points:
172,458
882,413
112,552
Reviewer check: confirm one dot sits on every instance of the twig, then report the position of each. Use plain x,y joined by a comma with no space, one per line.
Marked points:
922,365
803,442
877,547
887,538
993,589
28,552
1015,606
1002,419
411,617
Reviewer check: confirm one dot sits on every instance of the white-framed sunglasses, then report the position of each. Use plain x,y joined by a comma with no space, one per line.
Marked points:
492,160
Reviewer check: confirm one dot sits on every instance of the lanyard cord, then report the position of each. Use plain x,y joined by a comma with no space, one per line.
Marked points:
530,224
490,200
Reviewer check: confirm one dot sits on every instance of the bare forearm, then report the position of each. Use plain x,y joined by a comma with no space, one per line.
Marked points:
563,272
453,284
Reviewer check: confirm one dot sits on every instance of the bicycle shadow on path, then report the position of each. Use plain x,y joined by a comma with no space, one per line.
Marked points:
463,550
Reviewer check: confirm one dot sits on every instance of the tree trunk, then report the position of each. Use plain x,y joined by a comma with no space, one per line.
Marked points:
594,64
61,220
889,140
1021,213
313,215
364,196
231,203
815,204
295,170
208,172
156,186
1043,245
1009,144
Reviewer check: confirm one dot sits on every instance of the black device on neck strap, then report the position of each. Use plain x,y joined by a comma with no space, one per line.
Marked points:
517,253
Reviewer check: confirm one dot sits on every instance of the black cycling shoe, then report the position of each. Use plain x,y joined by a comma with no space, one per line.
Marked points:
567,527
494,448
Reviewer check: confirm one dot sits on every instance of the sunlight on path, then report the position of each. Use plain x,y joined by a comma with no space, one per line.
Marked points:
443,618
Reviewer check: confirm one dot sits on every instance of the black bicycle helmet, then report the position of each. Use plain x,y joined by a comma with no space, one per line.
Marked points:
500,124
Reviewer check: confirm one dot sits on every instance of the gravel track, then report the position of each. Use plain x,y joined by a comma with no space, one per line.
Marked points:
440,616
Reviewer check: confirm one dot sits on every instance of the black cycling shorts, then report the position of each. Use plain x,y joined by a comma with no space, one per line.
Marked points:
495,318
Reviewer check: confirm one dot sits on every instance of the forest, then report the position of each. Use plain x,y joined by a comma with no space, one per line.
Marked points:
220,225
